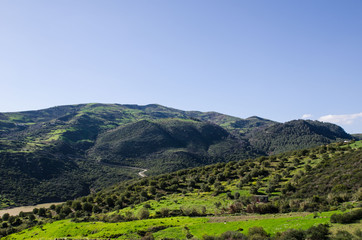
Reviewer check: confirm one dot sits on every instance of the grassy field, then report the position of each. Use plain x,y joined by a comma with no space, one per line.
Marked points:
190,200
271,223
179,227
357,144
122,230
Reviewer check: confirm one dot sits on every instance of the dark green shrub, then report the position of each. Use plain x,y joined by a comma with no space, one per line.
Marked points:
257,233
232,235
292,234
6,216
87,207
349,217
319,232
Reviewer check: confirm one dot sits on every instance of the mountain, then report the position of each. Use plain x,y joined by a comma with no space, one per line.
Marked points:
63,152
296,134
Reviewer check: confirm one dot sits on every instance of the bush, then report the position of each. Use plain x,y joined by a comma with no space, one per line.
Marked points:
349,217
87,207
6,216
232,235
257,233
229,235
66,210
165,212
319,232
76,205
42,212
35,210
292,234
143,214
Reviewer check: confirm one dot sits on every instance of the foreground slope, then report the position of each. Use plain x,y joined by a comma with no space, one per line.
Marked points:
220,196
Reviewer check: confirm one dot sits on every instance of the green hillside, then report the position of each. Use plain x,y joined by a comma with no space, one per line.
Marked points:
214,199
297,134
168,145
60,153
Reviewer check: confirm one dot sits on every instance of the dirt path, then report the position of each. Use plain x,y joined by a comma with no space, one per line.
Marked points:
17,210
141,173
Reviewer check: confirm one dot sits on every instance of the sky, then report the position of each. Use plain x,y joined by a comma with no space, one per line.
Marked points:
280,59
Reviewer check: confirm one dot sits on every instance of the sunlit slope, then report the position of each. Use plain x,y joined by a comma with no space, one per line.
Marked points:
323,179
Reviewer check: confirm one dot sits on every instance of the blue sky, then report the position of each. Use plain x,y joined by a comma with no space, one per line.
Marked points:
280,60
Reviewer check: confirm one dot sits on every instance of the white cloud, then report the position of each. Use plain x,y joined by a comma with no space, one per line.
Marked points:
307,116
341,119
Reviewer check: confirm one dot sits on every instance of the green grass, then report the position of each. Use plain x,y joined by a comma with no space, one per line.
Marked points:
177,227
122,230
271,223
187,201
357,144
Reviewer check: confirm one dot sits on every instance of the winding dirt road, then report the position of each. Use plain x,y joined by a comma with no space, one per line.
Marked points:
141,173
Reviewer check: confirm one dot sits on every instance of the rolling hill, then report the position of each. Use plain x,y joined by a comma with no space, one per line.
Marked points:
313,186
59,153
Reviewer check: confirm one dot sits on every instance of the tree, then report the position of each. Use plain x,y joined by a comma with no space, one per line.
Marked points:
109,201
6,216
42,212
35,210
87,207
76,205
31,217
66,210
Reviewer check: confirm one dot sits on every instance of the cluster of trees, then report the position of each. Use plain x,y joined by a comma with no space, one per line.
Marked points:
11,224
